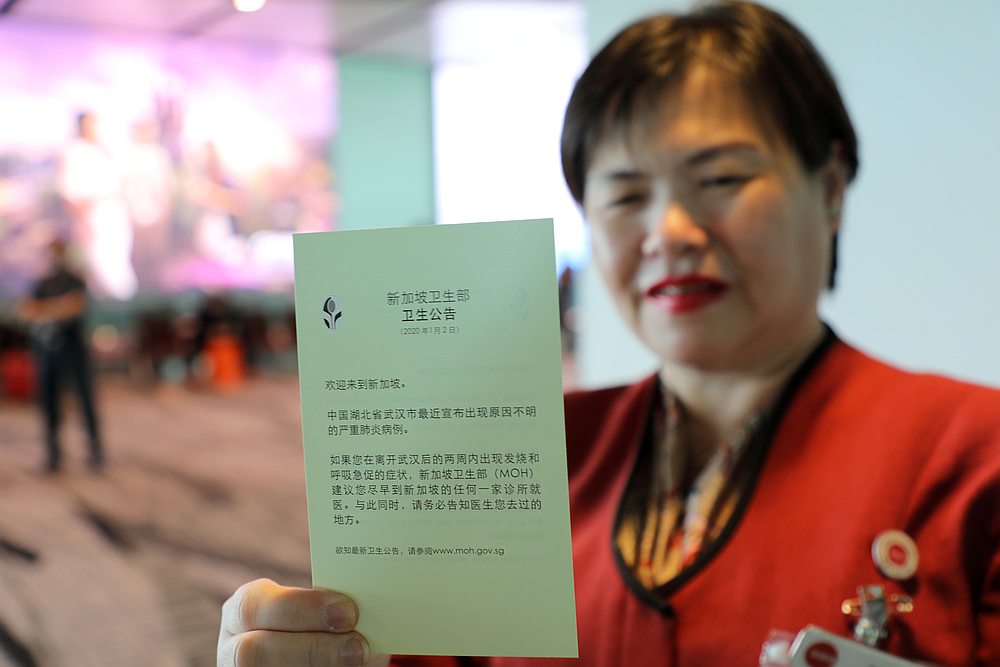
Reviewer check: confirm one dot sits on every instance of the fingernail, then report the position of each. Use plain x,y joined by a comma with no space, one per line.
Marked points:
339,617
353,652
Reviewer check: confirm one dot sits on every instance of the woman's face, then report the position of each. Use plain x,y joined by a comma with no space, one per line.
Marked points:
711,236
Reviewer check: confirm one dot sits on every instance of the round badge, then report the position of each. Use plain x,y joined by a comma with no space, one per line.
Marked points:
821,654
895,554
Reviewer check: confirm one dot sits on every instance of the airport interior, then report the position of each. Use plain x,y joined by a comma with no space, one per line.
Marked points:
227,131
217,130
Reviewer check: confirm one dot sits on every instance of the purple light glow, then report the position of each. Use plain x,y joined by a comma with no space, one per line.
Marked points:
217,152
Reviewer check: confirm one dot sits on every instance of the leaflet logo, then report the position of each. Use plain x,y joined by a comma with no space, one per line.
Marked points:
332,313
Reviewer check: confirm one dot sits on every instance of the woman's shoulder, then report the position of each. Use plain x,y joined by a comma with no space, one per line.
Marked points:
581,402
607,419
854,382
863,367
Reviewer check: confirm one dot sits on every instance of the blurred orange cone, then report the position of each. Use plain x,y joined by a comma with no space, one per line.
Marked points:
224,355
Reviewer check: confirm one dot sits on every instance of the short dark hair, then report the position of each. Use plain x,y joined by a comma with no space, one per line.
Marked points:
772,62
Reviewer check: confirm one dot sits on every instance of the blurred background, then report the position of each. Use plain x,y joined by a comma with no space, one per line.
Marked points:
221,131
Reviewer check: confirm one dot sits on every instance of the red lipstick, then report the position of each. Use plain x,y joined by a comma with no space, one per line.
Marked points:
686,294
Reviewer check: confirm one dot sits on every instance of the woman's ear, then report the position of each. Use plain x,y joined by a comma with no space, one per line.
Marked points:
834,180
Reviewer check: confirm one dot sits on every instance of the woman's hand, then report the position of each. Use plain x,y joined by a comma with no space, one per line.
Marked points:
267,625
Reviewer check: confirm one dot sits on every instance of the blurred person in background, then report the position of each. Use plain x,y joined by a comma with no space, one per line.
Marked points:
769,471
90,183
55,313
149,190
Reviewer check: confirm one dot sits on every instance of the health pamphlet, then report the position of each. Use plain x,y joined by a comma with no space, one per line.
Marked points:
435,455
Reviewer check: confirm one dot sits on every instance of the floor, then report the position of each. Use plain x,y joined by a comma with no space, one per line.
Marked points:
129,566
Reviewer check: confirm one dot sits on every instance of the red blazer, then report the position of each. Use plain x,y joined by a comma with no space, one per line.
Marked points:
858,448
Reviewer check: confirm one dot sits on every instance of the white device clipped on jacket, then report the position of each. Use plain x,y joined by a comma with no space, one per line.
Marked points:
816,647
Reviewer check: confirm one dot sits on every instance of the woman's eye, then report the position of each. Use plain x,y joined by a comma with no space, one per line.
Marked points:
722,181
627,199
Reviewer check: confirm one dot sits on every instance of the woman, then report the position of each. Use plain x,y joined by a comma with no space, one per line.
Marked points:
768,470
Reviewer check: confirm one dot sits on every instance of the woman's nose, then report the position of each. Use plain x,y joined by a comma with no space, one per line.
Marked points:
675,231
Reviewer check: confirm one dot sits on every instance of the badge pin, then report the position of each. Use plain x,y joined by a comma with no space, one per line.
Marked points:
873,610
895,554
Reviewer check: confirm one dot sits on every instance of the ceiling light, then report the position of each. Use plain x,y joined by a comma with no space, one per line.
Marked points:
248,5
